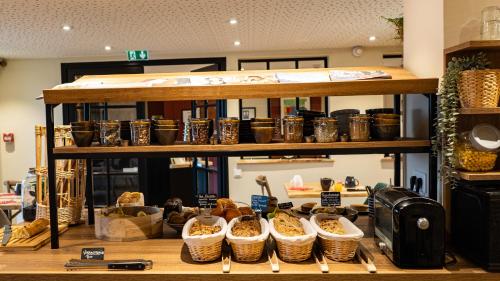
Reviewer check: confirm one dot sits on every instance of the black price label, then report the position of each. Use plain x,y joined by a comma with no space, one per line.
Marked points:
330,198
286,205
260,203
207,201
92,254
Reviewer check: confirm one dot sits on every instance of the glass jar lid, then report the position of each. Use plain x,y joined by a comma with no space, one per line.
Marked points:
485,137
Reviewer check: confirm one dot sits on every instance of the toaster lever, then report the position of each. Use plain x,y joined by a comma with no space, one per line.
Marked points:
423,223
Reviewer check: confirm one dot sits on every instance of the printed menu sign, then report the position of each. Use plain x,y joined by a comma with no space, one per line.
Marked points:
207,201
260,202
92,254
330,198
285,205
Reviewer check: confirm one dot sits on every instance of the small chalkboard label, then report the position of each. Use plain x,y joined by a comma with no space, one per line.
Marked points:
92,254
330,198
286,205
207,201
260,203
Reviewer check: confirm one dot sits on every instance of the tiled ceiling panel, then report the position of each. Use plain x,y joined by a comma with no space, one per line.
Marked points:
33,28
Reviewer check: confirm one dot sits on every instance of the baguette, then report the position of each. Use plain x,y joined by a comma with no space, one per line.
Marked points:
31,229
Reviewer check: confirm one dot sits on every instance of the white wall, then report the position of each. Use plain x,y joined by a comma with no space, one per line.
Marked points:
423,55
23,80
462,20
20,83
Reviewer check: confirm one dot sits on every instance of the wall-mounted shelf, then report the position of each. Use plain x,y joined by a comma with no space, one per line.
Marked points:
480,176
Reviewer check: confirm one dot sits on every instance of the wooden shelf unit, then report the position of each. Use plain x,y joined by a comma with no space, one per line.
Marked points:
490,47
131,87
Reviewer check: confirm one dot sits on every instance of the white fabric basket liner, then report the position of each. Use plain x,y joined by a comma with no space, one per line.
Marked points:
309,237
264,226
204,240
352,232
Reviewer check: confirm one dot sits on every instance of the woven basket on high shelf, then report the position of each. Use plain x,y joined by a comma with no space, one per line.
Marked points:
70,180
479,88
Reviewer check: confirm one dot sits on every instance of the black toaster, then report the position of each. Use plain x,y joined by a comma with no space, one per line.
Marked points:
410,229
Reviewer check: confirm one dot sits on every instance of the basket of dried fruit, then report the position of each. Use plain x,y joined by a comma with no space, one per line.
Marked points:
247,236
338,236
294,237
204,235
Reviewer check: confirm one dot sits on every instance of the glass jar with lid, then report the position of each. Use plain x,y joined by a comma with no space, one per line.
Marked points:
293,127
229,129
325,129
477,150
109,132
140,132
200,130
359,127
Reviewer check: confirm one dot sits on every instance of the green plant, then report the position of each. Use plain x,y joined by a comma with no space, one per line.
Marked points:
448,104
398,26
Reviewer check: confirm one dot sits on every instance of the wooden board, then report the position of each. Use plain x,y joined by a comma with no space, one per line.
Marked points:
403,82
285,161
316,191
478,111
30,244
475,45
287,147
171,261
480,176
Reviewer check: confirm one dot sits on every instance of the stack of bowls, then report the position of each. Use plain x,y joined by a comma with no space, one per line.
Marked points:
262,129
387,126
83,133
371,112
166,131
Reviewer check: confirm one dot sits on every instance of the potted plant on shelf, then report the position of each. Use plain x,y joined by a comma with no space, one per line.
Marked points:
448,105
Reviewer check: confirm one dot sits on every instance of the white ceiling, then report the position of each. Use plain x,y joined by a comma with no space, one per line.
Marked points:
33,28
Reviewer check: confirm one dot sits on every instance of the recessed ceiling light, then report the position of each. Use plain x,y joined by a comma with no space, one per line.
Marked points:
66,27
237,43
233,21
372,38
107,48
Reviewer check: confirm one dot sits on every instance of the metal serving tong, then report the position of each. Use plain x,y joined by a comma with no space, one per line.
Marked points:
137,264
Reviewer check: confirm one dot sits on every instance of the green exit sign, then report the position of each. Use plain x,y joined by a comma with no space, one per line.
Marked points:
134,55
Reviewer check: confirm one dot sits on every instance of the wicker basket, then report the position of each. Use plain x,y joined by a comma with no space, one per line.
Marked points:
247,249
479,88
205,248
295,248
338,247
70,214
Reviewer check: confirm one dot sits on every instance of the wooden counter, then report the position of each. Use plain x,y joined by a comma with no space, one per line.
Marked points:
173,262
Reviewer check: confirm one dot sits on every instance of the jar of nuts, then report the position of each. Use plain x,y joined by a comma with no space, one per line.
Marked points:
477,150
200,131
229,130
109,132
140,132
293,129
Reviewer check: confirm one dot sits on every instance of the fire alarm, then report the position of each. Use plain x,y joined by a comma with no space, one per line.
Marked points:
357,51
8,137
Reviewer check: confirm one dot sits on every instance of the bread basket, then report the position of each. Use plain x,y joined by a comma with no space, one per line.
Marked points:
247,249
337,247
204,248
294,248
